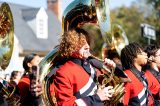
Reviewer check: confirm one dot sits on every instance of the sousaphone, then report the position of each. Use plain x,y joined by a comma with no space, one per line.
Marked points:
6,35
77,13
6,49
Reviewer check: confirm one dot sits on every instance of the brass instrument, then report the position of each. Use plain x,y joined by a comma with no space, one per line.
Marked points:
78,13
119,40
109,78
6,48
46,65
11,98
6,35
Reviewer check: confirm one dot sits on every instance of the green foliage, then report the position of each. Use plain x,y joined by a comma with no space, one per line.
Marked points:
155,3
130,18
155,20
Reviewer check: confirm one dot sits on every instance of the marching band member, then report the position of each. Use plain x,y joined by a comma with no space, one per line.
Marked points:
152,72
25,85
75,80
133,58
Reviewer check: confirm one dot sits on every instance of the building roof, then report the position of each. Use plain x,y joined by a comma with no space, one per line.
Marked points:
25,32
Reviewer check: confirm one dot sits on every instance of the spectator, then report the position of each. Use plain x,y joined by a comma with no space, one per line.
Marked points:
26,86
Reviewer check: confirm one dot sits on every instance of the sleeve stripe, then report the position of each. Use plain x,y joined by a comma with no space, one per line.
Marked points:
80,102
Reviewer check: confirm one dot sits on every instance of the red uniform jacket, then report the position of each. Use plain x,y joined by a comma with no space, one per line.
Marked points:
76,86
26,98
23,86
154,85
135,92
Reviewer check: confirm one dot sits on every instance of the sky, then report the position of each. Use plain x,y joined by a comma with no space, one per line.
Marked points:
112,3
32,3
42,3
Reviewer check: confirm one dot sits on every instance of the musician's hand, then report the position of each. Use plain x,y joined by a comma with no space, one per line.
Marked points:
109,63
105,93
36,88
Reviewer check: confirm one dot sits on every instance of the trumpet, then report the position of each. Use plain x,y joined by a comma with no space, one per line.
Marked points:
99,64
107,79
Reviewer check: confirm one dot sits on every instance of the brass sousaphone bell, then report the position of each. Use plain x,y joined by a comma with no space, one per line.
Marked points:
6,49
6,35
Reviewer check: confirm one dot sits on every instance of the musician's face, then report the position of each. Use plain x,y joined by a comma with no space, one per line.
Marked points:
19,75
157,58
35,60
141,58
84,51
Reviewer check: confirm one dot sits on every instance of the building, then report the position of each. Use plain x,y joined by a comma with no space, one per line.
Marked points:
26,40
56,7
